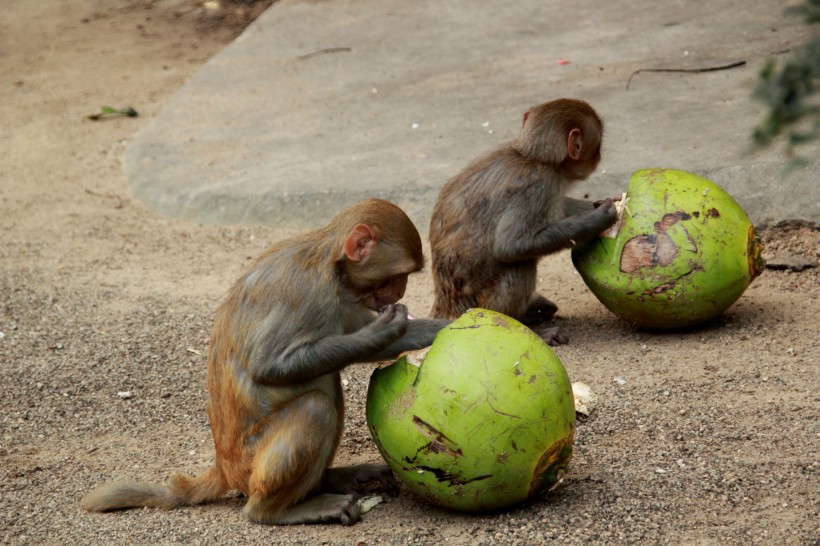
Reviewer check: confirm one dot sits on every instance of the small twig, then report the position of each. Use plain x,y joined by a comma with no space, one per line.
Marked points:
119,205
325,51
686,70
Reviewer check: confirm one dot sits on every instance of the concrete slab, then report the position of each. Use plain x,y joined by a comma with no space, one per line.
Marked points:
319,104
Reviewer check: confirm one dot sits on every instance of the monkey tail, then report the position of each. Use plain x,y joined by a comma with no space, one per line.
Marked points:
181,491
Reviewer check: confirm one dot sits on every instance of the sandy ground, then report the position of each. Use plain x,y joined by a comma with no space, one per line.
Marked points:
708,436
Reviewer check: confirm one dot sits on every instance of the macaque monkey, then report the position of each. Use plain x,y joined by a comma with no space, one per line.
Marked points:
506,209
306,309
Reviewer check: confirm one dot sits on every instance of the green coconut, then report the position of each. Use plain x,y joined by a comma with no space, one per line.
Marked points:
682,253
484,421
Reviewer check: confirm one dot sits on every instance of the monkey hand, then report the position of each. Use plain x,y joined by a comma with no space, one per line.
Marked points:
391,324
604,214
600,202
375,476
361,479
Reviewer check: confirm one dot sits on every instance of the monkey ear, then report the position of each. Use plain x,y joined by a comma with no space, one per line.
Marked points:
575,143
359,243
524,121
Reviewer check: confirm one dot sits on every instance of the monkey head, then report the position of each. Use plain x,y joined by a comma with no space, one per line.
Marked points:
379,253
565,133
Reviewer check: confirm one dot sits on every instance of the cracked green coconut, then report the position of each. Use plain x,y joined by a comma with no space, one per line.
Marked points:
682,252
484,420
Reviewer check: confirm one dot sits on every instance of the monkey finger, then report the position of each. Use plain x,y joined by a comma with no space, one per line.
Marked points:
386,314
401,309
391,323
394,315
400,318
607,213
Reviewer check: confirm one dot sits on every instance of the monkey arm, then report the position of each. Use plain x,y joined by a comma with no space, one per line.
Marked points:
518,238
573,207
307,360
302,352
420,333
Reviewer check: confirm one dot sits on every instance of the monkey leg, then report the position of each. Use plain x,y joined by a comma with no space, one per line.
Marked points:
512,292
290,462
539,310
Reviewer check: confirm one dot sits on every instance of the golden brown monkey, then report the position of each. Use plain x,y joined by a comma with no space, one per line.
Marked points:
308,307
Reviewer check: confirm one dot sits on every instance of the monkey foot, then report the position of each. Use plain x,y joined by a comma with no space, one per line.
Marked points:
553,336
539,310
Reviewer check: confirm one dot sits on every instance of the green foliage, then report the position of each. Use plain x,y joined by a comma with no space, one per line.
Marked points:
788,91
108,111
810,10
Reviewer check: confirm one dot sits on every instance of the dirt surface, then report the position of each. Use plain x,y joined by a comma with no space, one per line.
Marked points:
706,436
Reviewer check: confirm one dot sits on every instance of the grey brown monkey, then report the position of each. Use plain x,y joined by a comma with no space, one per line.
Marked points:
496,218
